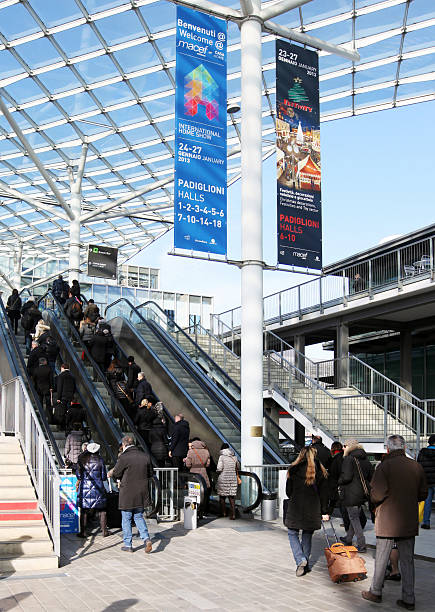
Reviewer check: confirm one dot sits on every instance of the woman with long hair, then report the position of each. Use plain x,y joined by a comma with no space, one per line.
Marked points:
307,490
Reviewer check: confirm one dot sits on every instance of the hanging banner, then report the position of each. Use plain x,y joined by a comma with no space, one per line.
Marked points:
200,185
69,514
298,156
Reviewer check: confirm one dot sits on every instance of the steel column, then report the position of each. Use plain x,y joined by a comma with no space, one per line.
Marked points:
252,244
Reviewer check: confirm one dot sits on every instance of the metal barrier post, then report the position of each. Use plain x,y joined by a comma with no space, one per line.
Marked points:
370,280
418,433
399,274
385,418
339,418
17,407
313,402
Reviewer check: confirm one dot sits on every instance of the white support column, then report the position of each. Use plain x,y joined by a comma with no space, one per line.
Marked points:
252,246
74,236
18,261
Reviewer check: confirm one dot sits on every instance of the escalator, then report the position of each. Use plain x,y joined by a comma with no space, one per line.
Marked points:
155,341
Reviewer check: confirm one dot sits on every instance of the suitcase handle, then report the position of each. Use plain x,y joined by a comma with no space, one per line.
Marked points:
333,529
339,548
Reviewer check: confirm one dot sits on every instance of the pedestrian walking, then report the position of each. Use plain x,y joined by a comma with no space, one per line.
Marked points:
91,474
323,453
198,460
179,442
13,309
227,484
133,469
426,458
307,490
356,473
397,486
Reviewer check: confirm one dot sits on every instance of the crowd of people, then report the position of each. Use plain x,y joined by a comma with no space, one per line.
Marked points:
320,480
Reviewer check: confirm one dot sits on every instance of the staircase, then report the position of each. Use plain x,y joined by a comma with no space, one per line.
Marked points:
25,543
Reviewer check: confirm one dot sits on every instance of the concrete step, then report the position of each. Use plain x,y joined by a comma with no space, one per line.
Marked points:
12,563
26,547
28,530
21,515
7,480
13,468
18,504
11,458
17,492
9,448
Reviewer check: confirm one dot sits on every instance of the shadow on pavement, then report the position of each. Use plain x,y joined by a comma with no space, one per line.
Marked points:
9,603
122,604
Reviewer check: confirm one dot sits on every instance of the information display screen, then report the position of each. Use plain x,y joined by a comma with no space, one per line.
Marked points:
102,261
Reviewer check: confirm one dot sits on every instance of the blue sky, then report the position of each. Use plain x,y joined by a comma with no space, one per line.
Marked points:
377,172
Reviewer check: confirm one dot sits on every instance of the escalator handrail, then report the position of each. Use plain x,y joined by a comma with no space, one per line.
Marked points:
26,377
257,502
195,478
230,410
153,512
102,378
99,401
174,380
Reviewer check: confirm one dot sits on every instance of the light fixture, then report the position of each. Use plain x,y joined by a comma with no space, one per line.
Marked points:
232,109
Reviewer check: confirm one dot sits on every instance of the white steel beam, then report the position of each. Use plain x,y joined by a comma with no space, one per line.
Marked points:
126,198
14,125
36,204
212,8
269,12
311,41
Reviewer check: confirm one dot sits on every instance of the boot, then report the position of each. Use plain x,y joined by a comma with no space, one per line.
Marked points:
103,524
223,506
232,508
83,523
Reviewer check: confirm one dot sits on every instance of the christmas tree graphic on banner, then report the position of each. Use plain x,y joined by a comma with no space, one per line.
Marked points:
297,92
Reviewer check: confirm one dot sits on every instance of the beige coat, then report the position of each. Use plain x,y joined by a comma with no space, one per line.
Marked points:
198,459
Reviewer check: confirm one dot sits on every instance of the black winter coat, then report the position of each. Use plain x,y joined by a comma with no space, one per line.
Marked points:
75,289
142,390
14,304
158,440
144,418
43,379
426,457
179,444
91,472
34,356
133,469
31,315
99,347
132,373
75,414
60,289
66,386
350,481
323,454
306,503
334,474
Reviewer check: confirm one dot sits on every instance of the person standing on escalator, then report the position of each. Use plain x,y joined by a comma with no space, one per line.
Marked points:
60,289
75,289
13,309
116,378
179,443
44,383
143,389
98,345
133,371
145,416
30,317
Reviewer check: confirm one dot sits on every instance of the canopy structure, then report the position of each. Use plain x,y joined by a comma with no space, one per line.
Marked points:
87,100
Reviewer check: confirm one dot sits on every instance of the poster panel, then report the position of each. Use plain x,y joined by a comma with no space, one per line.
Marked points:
69,513
298,157
102,261
200,185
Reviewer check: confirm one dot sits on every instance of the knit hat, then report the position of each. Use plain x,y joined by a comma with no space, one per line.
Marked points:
351,442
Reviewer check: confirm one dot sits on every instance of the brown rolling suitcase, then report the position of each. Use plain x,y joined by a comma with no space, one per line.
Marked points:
344,563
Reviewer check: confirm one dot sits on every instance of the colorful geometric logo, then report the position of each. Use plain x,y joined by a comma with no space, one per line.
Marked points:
200,88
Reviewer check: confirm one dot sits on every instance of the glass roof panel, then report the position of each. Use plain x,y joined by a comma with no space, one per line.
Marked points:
117,94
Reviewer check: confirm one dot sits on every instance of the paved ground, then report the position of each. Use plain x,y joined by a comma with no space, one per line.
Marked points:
227,566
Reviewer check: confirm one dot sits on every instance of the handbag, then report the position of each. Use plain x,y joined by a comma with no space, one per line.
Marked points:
366,490
239,480
420,511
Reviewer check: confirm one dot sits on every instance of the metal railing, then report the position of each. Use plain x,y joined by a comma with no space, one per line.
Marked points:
167,509
18,417
391,270
368,416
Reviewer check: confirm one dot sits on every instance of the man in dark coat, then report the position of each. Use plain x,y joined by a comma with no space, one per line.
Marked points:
35,354
179,444
145,416
60,289
75,413
44,383
426,458
397,486
92,312
73,310
133,469
30,317
98,346
65,389
143,389
133,371
323,453
337,453
352,487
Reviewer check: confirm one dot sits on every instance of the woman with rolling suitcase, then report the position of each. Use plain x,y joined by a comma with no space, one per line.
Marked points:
307,506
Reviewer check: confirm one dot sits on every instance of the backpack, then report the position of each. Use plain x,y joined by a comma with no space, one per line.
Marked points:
75,310
27,321
51,348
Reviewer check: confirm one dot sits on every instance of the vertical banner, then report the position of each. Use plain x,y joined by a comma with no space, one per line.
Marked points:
200,185
69,514
298,156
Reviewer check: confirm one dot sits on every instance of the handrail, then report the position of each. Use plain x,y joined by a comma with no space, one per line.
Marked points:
235,411
393,274
102,377
257,502
20,418
36,401
152,513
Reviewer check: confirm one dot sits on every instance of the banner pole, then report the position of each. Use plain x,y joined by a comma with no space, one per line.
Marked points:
252,242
